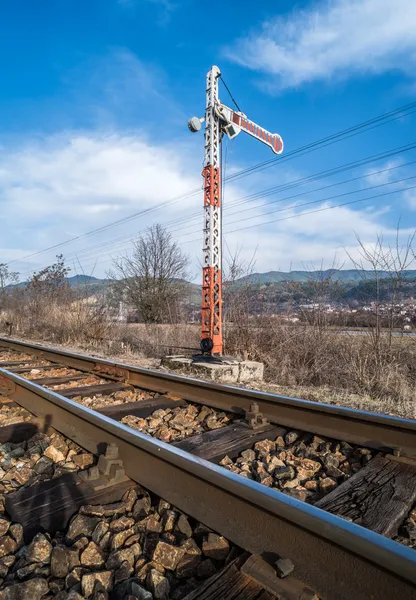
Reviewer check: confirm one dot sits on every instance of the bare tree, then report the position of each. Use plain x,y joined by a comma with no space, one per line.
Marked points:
388,265
7,277
151,280
51,282
239,297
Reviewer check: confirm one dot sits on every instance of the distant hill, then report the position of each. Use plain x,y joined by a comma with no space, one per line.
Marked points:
79,280
344,275
334,274
74,282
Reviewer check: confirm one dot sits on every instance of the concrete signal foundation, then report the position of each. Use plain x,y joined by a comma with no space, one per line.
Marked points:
220,369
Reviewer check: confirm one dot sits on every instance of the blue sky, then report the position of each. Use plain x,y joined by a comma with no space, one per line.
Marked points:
94,102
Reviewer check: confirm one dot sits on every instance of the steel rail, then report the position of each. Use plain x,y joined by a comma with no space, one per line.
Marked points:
336,558
359,427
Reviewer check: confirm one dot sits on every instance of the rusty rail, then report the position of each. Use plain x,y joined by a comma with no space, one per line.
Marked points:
336,558
364,428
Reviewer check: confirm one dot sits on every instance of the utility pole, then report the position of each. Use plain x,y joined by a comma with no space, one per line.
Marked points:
219,119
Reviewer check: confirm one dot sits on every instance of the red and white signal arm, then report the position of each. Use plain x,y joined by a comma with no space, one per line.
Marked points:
236,122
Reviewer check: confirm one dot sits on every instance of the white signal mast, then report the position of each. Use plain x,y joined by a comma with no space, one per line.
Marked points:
219,119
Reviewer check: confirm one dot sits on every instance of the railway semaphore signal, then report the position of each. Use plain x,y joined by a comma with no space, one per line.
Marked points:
219,120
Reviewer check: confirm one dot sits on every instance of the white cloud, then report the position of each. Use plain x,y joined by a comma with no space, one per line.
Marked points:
337,38
60,187
387,172
410,198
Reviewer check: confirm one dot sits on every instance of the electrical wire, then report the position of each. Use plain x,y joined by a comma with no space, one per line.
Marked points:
355,130
230,94
125,240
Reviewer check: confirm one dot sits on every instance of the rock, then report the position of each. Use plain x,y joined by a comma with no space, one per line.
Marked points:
158,585
124,571
327,484
330,460
133,540
265,446
137,550
145,568
16,531
280,442
73,595
142,508
169,520
116,559
300,493
248,455
206,569
100,595
33,589
216,547
5,564
140,592
56,586
284,567
167,555
39,550
83,461
33,569
96,510
187,567
130,588
54,454
311,485
119,538
63,560
121,524
4,526
129,499
291,437
106,541
335,472
284,473
22,474
43,466
184,527
226,461
287,485
100,529
264,479
81,544
81,525
100,581
92,556
74,577
151,523
164,434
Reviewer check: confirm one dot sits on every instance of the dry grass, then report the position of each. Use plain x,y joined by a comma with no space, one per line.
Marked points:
310,362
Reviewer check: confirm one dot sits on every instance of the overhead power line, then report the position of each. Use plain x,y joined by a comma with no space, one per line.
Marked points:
323,142
120,242
86,253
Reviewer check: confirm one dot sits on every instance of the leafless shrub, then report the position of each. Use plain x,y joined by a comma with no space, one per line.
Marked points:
151,280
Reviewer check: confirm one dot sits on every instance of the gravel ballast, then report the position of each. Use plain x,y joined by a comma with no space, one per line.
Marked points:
139,548
299,464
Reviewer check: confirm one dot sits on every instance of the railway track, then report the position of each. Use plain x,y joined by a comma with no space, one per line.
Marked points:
333,556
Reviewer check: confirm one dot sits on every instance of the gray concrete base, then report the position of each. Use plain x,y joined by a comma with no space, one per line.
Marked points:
224,370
